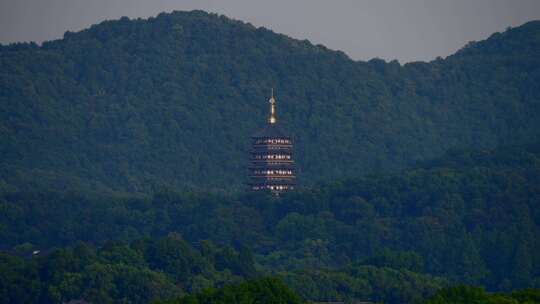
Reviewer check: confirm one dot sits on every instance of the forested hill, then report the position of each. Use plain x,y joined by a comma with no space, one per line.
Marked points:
470,217
172,100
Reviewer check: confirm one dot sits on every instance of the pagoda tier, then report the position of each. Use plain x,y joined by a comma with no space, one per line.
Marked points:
271,163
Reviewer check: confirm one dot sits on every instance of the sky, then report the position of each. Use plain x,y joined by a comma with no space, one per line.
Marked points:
406,30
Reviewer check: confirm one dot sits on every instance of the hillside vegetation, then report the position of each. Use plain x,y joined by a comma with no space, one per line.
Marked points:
166,268
137,105
123,147
470,217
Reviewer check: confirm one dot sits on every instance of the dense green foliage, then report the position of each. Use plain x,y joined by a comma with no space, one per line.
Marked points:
363,282
109,134
469,217
165,268
172,100
263,291
139,272
473,295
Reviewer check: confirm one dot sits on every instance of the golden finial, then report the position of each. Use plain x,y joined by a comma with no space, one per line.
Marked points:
272,101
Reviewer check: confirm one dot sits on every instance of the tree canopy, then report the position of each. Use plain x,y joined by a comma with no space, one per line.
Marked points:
469,217
172,100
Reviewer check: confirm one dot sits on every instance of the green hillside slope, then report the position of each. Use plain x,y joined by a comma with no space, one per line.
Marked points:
475,224
136,104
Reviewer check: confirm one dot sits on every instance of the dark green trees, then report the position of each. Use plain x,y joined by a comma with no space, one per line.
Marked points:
475,295
263,291
139,272
475,223
172,100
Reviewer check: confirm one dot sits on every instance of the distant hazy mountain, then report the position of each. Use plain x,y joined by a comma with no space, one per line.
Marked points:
172,100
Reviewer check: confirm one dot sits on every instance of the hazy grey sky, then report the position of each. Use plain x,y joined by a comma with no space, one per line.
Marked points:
406,30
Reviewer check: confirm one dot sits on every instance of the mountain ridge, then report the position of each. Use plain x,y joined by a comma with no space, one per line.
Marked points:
134,104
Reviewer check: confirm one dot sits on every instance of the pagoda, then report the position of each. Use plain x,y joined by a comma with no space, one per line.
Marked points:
271,164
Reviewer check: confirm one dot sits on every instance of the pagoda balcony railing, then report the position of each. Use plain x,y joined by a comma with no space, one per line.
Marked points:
259,172
280,156
272,171
272,161
272,145
271,175
271,182
262,178
285,166
271,141
269,150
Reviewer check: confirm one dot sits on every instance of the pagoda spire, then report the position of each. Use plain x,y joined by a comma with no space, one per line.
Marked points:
271,163
272,119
